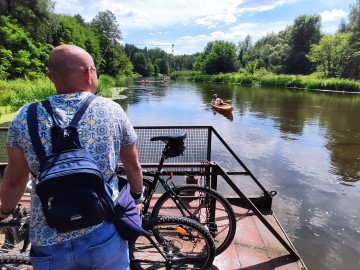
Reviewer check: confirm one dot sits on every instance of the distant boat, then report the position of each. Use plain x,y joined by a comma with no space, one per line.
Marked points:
144,81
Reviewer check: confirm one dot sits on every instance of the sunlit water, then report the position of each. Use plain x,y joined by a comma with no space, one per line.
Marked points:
304,145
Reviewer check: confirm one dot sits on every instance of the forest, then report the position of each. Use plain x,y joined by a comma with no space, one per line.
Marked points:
29,29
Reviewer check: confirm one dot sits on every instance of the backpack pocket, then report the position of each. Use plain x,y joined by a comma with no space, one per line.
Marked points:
72,211
69,205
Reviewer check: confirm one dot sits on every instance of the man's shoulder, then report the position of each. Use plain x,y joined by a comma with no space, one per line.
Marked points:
21,113
106,103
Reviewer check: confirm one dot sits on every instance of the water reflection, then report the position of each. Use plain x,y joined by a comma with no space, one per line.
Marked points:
301,144
228,115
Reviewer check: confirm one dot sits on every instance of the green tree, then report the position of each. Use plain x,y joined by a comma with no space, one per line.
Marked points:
110,35
163,65
130,50
106,25
156,70
245,51
118,64
352,68
304,33
34,16
218,56
183,62
21,56
331,54
139,62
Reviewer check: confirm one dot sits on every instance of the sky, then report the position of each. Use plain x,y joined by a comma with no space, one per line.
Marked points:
186,27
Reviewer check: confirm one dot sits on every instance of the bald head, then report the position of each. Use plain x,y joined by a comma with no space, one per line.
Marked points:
71,69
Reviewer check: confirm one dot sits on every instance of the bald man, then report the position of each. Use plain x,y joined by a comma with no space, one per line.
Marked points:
105,132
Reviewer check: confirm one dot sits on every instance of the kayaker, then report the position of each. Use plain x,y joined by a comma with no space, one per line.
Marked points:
216,100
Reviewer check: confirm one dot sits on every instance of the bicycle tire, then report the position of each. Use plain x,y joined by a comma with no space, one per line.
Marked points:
194,196
14,244
146,183
186,244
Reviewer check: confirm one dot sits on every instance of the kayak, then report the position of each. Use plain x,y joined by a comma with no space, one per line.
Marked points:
225,107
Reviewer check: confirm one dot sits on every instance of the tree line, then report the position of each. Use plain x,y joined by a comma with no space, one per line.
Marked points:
29,29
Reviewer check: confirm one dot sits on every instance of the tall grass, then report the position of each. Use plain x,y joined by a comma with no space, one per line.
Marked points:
264,78
16,93
105,83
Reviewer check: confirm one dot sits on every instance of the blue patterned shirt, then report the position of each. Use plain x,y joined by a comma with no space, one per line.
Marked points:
103,130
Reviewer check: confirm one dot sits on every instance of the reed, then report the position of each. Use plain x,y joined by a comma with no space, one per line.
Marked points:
265,78
18,92
105,83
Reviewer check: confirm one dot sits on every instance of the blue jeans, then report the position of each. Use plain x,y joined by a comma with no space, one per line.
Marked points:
103,248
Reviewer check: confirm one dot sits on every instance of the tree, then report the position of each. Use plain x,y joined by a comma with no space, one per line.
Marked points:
163,65
118,63
342,26
218,56
110,35
245,51
139,62
330,54
20,55
304,33
130,50
34,16
352,68
106,25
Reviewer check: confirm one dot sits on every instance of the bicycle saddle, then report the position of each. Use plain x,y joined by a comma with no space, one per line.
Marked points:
170,138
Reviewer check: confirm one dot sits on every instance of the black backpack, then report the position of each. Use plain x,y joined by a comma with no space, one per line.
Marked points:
71,187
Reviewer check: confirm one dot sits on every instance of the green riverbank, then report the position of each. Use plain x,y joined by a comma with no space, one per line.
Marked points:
264,78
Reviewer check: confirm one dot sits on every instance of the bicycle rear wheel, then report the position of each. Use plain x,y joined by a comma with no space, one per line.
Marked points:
207,206
172,243
14,242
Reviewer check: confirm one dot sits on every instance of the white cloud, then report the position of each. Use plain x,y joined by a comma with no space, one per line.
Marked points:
192,24
333,15
213,20
146,14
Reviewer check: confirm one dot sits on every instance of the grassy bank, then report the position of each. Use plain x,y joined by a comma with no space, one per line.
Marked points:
14,94
264,78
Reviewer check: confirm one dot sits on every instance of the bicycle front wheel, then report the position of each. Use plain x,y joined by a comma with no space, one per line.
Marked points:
206,206
172,243
14,244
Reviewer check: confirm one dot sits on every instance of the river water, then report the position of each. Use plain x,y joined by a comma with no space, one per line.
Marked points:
303,144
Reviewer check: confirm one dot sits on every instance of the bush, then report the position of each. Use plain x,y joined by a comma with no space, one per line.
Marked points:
20,91
105,83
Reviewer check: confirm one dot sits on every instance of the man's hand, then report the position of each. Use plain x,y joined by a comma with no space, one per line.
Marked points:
140,208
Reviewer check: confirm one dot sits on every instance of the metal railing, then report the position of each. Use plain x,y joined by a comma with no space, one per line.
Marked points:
197,159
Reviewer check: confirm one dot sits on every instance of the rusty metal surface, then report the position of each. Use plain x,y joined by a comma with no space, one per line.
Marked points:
254,247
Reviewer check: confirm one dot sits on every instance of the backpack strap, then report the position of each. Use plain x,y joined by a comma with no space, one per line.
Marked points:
46,103
82,110
34,128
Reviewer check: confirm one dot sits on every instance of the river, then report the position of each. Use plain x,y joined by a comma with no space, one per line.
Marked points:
303,144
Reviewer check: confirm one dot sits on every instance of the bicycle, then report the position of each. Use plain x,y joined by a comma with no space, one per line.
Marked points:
170,242
14,240
173,243
199,203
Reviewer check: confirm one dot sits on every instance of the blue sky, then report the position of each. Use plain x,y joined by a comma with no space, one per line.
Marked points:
190,25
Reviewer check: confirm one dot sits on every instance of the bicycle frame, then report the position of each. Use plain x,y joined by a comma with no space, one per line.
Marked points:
157,178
